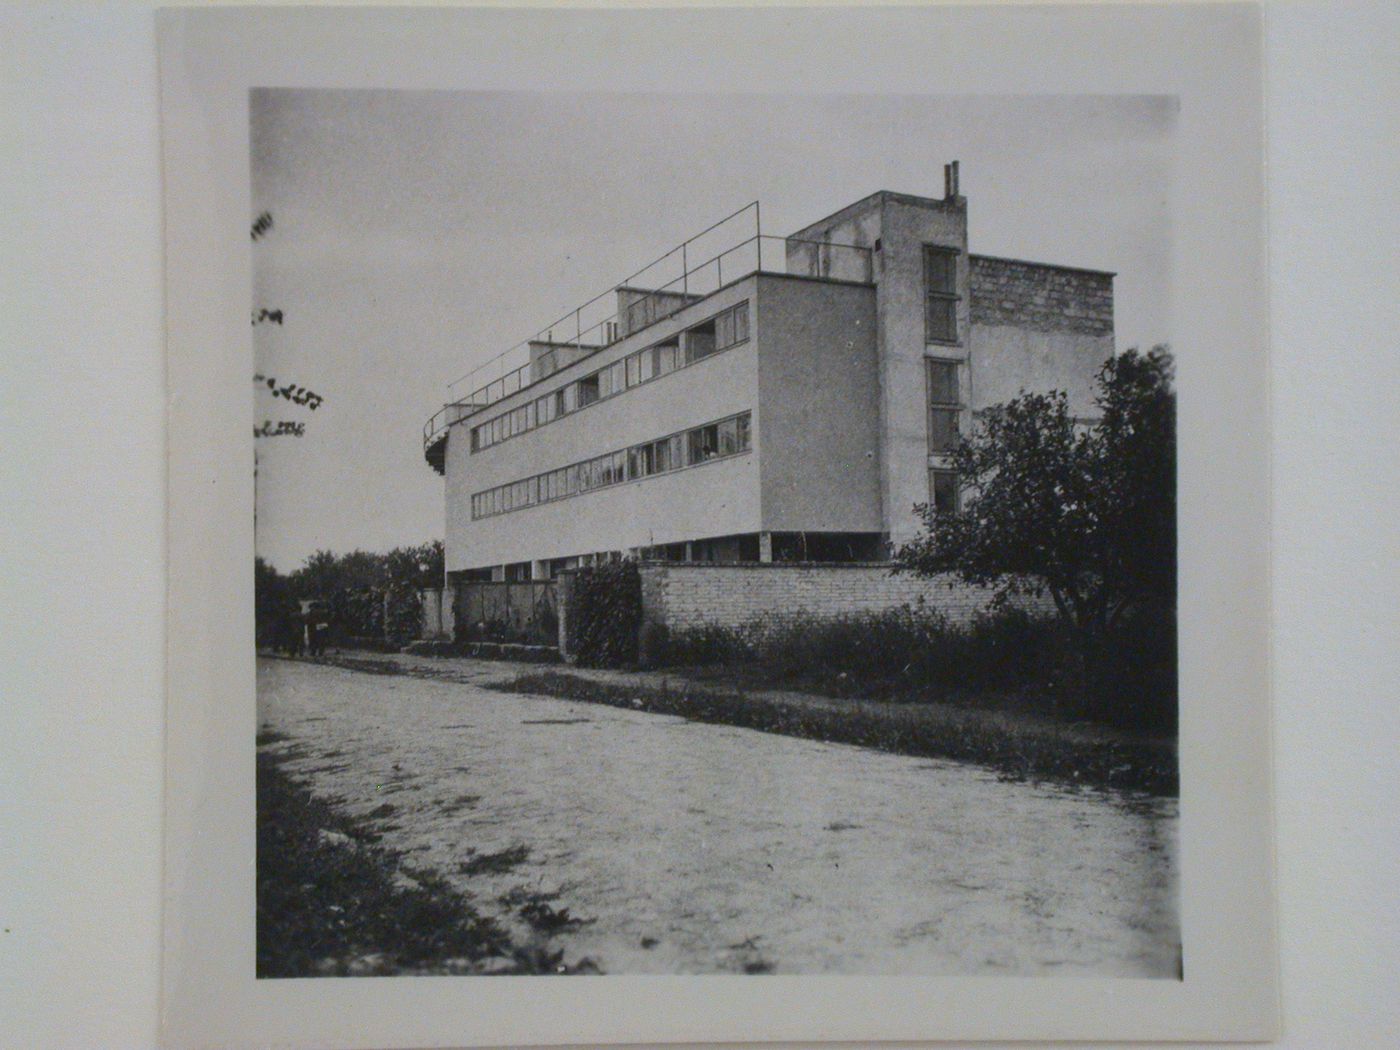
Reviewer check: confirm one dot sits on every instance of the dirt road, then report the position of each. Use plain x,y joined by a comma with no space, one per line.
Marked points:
707,849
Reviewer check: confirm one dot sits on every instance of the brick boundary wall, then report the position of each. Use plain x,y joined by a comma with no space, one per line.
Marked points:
689,594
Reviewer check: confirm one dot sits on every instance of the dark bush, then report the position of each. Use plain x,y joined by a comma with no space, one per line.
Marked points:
912,646
606,615
1133,682
654,644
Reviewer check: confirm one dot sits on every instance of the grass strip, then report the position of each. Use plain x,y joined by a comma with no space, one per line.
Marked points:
1014,749
331,902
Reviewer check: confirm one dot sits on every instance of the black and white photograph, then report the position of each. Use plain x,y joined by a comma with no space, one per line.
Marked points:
744,524
753,548
800,599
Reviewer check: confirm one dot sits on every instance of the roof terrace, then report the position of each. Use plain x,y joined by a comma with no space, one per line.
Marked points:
725,252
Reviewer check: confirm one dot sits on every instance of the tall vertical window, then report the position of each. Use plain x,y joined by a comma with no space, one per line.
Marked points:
944,405
941,294
943,491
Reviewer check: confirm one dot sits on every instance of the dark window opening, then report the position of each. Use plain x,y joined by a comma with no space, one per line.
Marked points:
700,342
943,491
828,546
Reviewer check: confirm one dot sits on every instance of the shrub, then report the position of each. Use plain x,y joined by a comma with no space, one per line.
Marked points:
914,651
606,615
654,644
911,645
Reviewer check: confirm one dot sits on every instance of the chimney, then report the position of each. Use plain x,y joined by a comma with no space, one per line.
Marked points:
950,181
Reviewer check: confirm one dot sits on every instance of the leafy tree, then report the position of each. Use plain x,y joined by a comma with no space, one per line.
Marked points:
272,598
369,595
415,567
1086,514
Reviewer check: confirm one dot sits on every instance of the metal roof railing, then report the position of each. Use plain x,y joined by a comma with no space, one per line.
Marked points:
585,331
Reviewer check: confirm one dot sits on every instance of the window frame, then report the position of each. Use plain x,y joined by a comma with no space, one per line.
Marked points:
956,407
677,451
948,297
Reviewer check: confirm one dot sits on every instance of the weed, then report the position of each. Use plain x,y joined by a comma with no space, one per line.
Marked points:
329,903
494,863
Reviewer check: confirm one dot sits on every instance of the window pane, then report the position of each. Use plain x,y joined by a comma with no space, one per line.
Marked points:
634,369
941,270
704,443
943,382
588,388
646,365
943,490
742,428
724,329
728,437
943,429
619,376
699,343
741,322
942,318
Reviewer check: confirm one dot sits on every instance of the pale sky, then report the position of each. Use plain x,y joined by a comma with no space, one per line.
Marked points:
418,234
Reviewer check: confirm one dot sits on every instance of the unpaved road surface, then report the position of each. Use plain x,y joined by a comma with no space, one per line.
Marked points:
697,848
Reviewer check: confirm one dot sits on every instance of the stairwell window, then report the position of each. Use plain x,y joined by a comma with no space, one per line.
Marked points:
944,405
941,294
943,491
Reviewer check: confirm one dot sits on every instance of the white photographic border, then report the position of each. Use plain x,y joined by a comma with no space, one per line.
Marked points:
1206,55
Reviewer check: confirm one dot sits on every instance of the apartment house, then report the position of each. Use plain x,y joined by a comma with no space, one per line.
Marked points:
795,408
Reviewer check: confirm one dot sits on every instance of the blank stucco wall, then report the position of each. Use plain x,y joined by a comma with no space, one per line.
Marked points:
683,596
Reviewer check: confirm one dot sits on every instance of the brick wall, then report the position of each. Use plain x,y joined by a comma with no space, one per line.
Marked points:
1040,297
682,596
